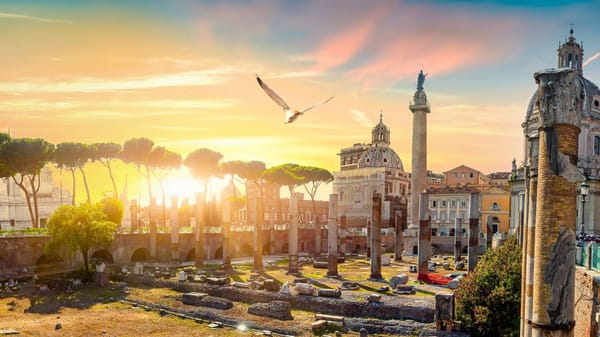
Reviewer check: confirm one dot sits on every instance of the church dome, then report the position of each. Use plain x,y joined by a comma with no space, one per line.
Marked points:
380,157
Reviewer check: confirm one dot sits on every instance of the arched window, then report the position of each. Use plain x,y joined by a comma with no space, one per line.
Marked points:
596,144
570,60
495,207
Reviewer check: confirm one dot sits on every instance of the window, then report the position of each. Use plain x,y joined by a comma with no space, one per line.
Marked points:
463,175
471,175
443,216
453,203
463,203
434,232
434,203
454,175
596,144
451,232
495,207
433,216
452,216
443,203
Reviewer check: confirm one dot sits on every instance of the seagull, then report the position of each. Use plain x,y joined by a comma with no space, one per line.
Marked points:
290,115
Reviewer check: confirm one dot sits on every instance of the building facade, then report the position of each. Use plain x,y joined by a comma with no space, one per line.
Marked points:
14,213
366,169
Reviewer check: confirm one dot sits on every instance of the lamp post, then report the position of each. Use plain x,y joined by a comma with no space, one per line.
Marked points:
583,191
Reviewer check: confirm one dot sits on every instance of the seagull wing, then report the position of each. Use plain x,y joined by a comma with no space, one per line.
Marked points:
272,94
316,105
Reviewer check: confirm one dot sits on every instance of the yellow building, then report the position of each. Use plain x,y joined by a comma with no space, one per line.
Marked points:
495,209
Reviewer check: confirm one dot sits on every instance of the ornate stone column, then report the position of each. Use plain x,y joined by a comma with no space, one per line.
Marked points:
376,239
332,237
554,266
420,108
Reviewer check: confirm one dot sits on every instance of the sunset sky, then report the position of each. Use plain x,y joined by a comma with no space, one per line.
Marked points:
182,73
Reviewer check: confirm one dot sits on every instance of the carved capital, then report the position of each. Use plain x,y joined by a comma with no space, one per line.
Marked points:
558,97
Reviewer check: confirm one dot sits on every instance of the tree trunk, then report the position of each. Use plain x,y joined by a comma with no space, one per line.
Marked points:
34,191
87,189
112,178
73,177
22,187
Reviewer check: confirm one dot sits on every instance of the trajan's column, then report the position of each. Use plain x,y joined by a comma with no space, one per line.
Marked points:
420,109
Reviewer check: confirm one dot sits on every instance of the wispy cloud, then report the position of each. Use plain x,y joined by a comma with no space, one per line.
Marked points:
361,118
94,84
344,44
14,16
595,56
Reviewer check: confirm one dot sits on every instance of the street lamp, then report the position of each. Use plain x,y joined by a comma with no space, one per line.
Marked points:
583,191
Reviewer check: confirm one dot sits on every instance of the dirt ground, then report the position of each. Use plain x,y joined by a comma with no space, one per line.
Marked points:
108,311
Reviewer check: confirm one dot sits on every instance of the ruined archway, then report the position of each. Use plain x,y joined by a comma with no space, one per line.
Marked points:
140,255
104,255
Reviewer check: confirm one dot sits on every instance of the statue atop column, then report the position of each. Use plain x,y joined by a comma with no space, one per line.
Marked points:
421,80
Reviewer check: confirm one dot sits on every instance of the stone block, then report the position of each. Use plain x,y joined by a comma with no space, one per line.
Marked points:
329,293
329,317
216,303
374,298
220,281
444,307
404,290
280,310
398,280
319,325
271,285
193,298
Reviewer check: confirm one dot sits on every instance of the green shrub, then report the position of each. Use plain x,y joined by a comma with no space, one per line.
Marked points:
488,301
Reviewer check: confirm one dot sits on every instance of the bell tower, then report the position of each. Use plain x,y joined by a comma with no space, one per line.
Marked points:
380,135
570,54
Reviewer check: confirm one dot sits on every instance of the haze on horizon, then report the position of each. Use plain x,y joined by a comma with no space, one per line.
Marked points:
183,75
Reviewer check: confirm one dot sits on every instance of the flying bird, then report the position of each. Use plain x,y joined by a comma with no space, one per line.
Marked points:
290,115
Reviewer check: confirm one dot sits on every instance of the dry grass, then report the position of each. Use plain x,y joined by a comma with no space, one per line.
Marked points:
94,311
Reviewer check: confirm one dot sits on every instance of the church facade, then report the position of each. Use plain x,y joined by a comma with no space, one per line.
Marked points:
366,169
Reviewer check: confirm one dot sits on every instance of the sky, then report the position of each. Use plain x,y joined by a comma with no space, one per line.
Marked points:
182,73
